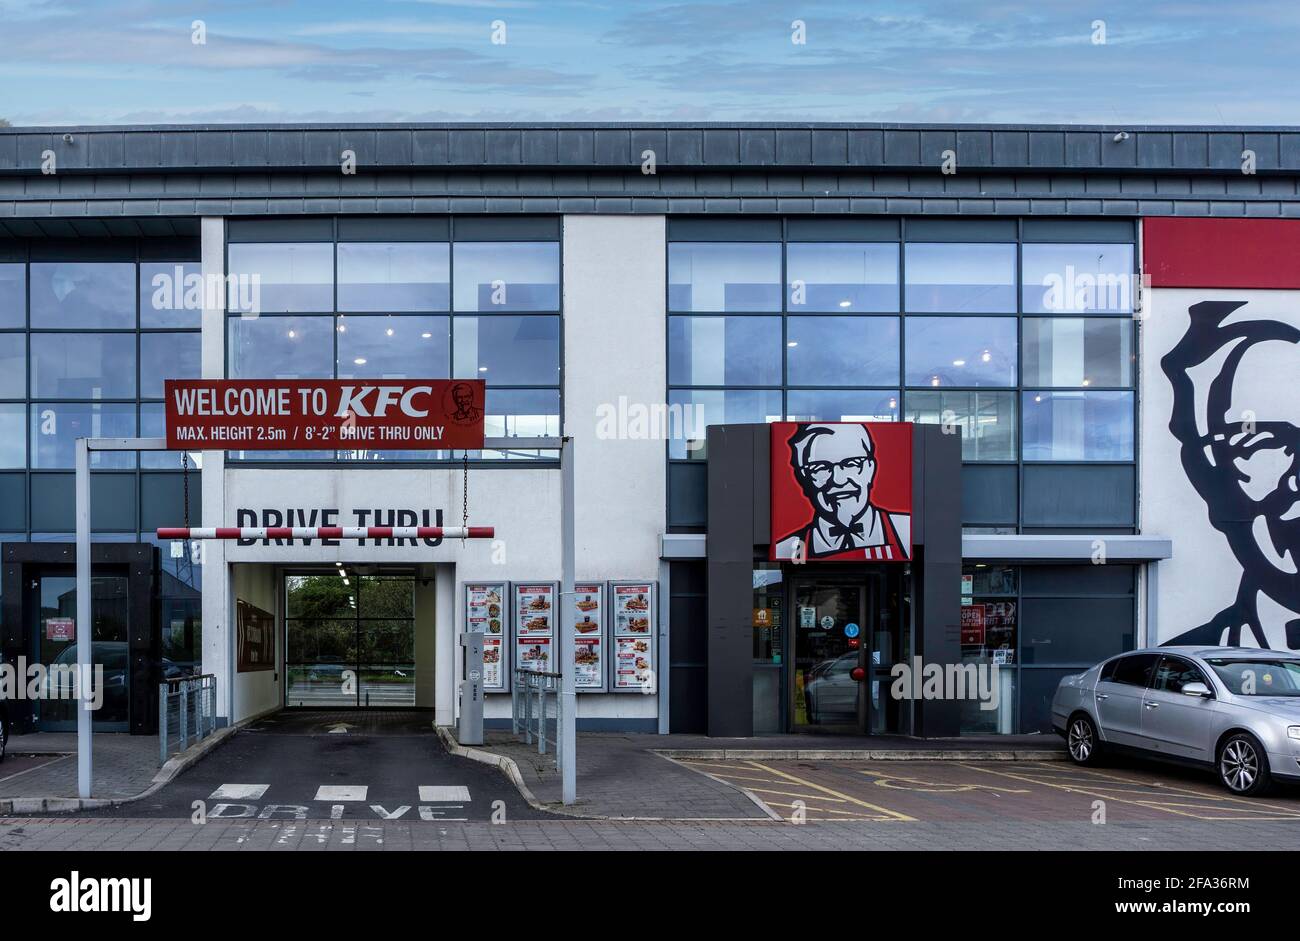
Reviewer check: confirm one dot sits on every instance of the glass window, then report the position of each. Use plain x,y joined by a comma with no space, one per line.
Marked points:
13,366
841,276
1078,426
13,295
13,436
975,277
83,365
281,348
507,276
841,405
987,420
404,347
716,351
289,276
168,356
991,579
1174,673
843,351
691,411
507,350
1074,351
394,276
1134,670
1258,676
153,424
961,351
1077,278
56,426
171,294
97,295
521,413
730,277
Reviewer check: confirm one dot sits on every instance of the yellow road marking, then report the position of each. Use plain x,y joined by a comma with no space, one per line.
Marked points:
811,797
934,787
826,790
1246,802
1154,803
856,815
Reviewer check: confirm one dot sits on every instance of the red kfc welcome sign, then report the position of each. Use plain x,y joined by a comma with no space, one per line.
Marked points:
841,491
304,414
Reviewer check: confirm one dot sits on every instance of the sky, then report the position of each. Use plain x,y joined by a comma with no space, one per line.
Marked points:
1049,61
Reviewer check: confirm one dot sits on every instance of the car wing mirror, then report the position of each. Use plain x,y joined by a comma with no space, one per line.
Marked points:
1197,689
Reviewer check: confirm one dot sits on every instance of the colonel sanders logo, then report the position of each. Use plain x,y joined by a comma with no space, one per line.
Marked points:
1240,432
845,487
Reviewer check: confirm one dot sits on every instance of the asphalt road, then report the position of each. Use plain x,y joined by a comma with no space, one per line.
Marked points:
352,765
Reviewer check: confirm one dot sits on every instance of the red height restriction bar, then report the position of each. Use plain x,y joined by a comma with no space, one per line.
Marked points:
310,414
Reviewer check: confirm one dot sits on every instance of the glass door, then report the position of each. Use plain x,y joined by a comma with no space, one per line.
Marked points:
830,643
350,640
57,635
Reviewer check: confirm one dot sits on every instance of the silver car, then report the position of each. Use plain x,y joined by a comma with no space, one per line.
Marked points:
1235,709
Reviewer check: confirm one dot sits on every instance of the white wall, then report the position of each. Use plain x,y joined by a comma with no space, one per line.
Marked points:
615,270
260,691
1202,578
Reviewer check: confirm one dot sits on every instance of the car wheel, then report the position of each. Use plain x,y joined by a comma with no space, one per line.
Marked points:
1243,766
1082,741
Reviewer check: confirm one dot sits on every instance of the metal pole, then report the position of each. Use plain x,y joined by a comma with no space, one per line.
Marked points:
162,724
566,721
83,627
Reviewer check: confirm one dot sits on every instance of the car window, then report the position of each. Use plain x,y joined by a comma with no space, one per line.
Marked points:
1174,673
1107,674
1258,677
1134,670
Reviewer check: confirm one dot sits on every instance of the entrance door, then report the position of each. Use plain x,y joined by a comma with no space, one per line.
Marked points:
57,634
830,643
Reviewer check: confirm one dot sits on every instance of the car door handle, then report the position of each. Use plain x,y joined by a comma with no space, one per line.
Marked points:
1103,695
1152,705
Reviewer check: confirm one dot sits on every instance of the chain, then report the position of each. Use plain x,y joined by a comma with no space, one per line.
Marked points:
464,512
185,476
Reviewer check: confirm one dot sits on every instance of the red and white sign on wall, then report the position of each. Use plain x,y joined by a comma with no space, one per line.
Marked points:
841,491
274,414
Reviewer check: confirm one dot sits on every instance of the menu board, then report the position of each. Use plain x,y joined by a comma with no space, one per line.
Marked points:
634,636
485,613
534,616
589,635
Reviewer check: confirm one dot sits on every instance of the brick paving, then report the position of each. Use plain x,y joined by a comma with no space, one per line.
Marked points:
116,834
124,765
621,776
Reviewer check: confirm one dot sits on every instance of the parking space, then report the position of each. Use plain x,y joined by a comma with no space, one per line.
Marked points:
342,765
1039,791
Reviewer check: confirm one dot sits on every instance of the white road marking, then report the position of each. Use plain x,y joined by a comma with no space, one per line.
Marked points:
440,793
341,792
238,792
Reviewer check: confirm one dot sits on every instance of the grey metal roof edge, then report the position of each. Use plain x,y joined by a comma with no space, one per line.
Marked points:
1055,548
654,125
678,148
1068,548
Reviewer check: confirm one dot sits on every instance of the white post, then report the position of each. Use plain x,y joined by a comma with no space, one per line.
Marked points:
565,646
83,625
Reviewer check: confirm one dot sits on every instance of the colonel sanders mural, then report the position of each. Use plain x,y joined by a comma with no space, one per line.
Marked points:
845,488
1237,421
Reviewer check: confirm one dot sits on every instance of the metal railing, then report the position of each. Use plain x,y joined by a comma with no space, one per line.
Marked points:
530,694
186,712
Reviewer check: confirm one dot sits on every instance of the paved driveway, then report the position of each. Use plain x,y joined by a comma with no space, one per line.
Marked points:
343,765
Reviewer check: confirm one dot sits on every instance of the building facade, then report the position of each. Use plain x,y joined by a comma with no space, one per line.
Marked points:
1091,334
